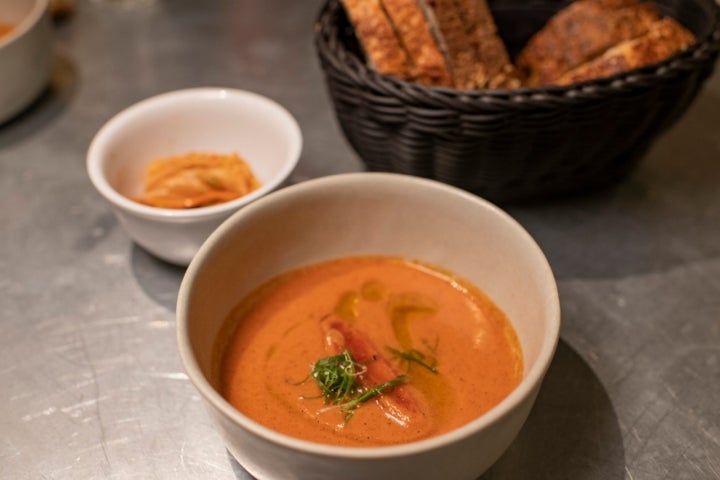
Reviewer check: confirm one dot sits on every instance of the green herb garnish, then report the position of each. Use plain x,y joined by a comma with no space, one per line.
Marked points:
350,406
418,357
337,377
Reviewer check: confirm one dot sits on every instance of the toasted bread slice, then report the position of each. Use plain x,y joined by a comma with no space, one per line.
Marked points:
665,38
581,32
378,39
400,38
460,53
449,43
489,47
477,55
419,35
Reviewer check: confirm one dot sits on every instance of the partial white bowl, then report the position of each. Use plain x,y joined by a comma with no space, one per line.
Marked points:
217,120
370,213
25,54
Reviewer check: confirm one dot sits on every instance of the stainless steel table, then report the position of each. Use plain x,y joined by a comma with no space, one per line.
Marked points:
91,386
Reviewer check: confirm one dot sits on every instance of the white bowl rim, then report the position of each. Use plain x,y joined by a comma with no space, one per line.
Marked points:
119,120
530,381
37,11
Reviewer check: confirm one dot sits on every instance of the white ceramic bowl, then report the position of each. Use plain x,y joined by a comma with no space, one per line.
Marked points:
216,120
370,213
25,54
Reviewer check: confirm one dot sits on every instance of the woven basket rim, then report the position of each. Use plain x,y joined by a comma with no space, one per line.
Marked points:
346,63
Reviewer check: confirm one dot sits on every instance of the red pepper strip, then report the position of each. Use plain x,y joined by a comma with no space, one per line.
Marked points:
404,403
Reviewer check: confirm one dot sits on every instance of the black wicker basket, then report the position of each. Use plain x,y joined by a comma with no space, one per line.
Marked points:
509,145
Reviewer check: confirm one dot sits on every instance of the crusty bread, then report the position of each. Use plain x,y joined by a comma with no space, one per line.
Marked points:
579,39
417,30
490,48
665,38
460,55
450,43
477,55
455,43
377,38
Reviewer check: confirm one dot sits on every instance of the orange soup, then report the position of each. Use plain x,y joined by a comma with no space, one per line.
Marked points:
5,29
367,351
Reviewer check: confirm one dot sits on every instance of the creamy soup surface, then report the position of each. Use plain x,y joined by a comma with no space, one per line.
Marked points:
444,351
5,29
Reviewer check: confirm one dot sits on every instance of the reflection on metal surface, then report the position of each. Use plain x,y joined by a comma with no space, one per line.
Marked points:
92,385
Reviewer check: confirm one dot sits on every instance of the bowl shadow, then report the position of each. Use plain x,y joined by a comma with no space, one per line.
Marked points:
661,216
159,280
49,104
572,431
238,470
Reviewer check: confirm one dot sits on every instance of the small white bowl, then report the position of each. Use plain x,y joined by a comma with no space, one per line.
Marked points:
25,54
216,120
370,213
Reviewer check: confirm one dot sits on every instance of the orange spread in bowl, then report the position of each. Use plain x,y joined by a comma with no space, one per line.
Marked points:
197,180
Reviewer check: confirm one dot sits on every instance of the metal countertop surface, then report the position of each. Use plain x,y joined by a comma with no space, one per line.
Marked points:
91,382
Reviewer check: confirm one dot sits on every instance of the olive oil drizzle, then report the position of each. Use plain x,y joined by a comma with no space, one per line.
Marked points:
415,356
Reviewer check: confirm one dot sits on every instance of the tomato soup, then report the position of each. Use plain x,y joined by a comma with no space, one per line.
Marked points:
423,352
5,29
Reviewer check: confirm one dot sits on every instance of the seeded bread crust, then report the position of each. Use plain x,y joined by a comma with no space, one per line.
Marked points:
580,33
377,38
665,38
477,55
417,29
455,43
489,47
460,54
448,43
